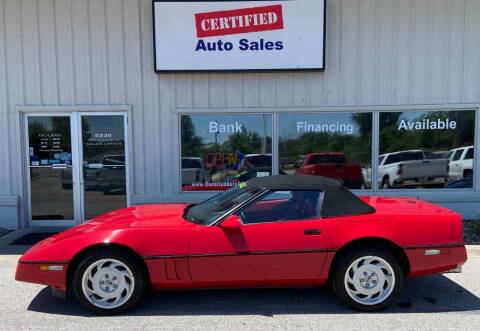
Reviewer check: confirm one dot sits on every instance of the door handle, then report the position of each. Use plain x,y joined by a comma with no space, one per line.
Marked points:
312,232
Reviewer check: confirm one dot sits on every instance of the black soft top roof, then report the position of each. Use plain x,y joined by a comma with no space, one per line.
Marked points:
337,199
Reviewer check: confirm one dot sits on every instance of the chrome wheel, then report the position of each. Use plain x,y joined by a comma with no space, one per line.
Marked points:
108,283
369,280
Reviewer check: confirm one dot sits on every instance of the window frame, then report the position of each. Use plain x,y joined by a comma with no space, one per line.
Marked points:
374,132
434,191
203,112
433,194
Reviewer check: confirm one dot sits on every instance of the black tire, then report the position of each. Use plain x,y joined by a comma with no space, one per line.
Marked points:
468,174
338,278
130,299
385,183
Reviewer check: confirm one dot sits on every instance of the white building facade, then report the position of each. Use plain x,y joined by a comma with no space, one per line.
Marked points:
88,125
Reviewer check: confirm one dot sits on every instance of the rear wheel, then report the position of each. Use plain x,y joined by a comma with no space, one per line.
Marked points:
109,282
368,279
468,174
385,183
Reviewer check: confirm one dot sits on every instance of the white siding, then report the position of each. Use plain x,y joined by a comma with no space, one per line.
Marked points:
100,52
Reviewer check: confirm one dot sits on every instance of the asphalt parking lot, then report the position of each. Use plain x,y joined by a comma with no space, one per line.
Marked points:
439,302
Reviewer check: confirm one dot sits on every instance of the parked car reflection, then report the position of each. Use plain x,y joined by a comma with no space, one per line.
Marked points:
107,175
193,171
332,165
258,160
461,163
410,168
461,183
110,175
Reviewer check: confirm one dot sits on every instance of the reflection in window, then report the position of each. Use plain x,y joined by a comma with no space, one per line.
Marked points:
426,149
104,173
219,151
336,145
469,155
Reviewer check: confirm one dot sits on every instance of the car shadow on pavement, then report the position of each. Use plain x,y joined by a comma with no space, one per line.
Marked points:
434,294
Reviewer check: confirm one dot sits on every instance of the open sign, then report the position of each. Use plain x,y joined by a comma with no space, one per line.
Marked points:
231,159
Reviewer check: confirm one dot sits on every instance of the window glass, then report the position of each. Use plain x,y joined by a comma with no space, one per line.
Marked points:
421,149
469,155
457,155
49,140
208,211
335,145
219,151
279,206
380,159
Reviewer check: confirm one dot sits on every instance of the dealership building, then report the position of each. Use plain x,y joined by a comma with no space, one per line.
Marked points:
106,104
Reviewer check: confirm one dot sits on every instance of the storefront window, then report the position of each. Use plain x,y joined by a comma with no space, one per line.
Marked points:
426,149
335,145
219,151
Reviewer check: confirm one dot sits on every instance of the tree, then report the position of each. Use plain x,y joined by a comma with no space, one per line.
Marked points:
191,143
247,142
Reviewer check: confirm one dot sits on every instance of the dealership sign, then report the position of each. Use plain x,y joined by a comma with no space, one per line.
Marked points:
239,35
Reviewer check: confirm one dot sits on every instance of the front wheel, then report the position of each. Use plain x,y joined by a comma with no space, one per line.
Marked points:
109,282
368,279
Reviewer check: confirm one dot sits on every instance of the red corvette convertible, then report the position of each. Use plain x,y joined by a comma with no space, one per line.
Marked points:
273,231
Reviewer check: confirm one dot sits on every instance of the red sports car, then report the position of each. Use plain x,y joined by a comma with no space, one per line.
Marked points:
273,231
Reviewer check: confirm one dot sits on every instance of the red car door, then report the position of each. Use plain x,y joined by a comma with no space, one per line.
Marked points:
271,253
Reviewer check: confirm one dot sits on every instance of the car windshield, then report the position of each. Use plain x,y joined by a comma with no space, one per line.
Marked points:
260,160
191,163
206,212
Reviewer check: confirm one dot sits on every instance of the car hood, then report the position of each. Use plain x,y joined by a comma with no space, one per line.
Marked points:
146,216
148,229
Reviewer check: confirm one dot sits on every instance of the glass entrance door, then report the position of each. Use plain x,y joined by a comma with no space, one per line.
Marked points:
76,166
104,182
50,168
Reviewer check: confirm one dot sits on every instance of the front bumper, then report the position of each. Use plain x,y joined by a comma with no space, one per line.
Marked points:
31,272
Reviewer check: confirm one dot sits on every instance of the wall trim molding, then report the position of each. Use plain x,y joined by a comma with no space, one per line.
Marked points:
9,201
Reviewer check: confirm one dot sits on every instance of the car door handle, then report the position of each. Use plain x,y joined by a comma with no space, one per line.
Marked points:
312,232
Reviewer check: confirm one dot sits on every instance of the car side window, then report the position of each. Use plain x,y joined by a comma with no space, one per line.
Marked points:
469,155
380,159
458,155
278,195
392,158
281,206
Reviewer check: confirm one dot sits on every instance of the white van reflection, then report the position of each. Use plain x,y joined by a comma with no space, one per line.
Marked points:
193,171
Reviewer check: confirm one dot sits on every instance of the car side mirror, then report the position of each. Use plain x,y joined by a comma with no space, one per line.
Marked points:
232,223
